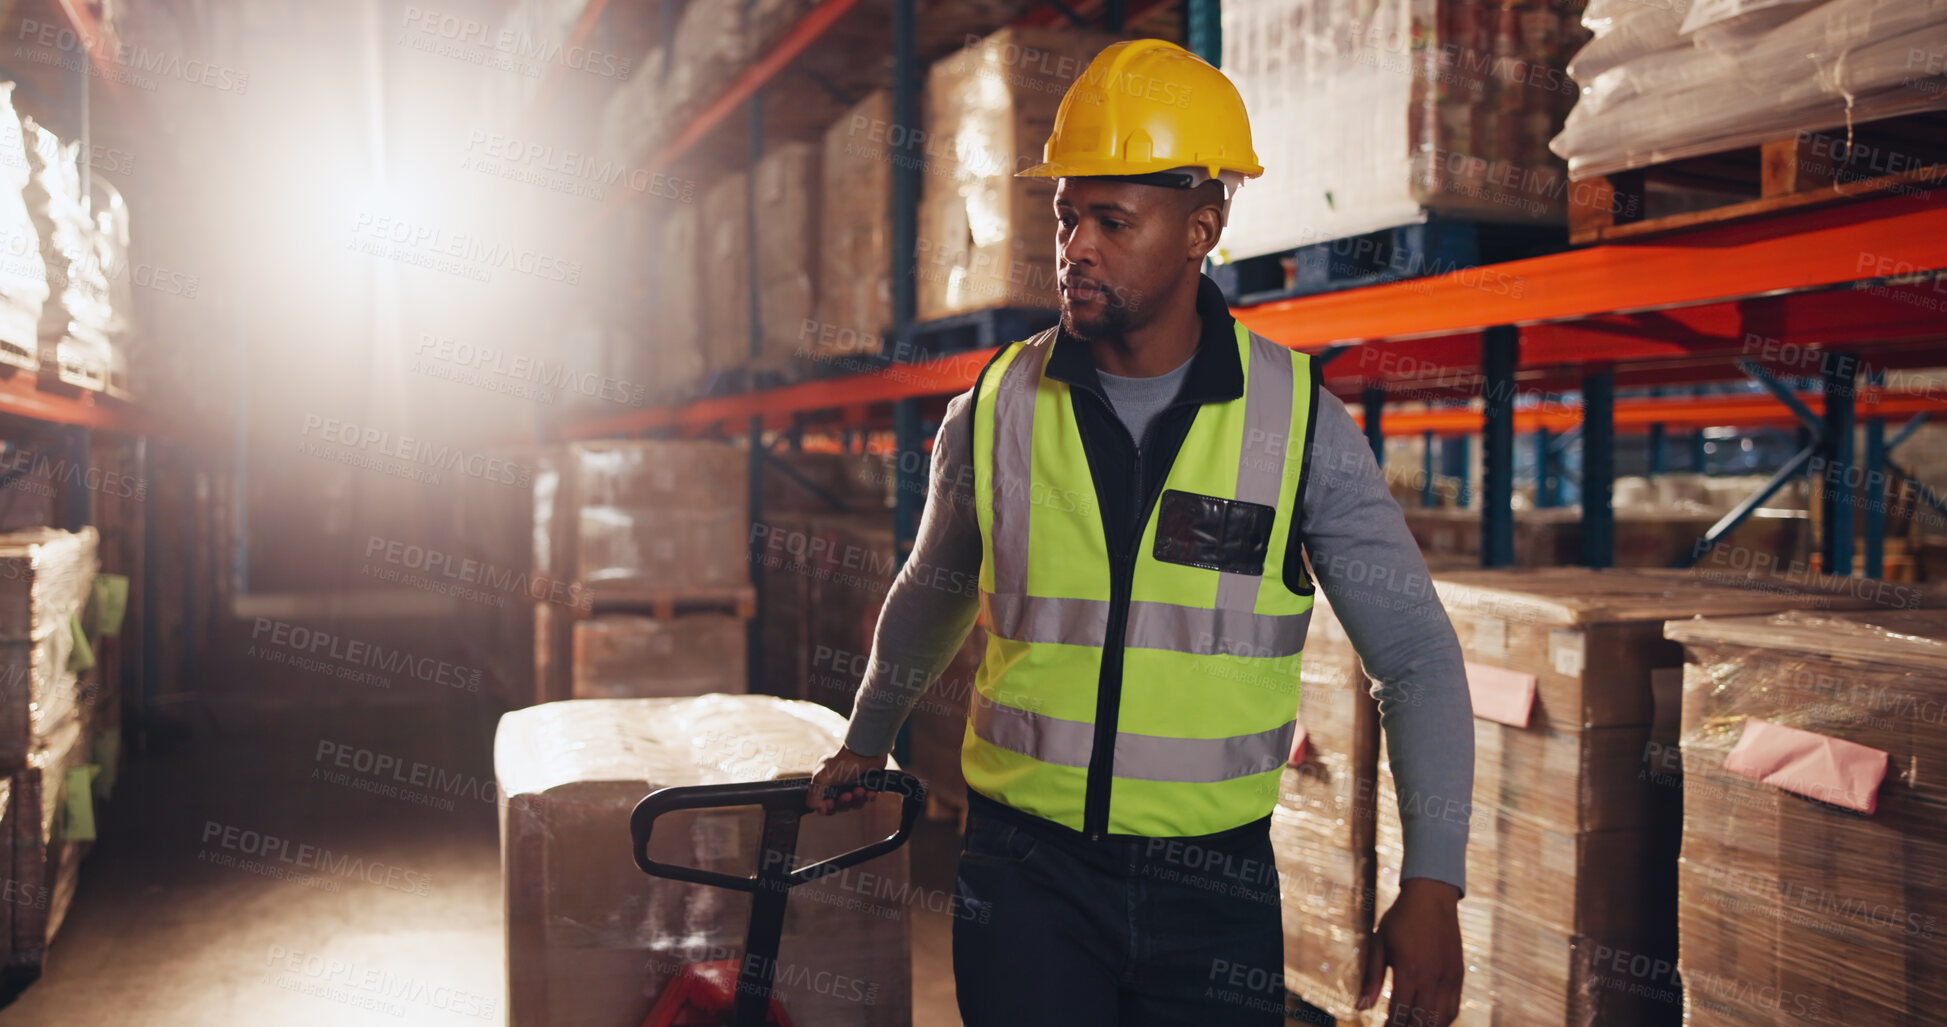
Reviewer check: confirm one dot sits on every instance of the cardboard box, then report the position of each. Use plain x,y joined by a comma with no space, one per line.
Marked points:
855,232
986,238
45,576
592,940
625,656
46,860
725,273
1852,898
622,518
786,190
1323,827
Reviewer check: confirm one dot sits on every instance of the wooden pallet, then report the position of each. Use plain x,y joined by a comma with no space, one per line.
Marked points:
663,604
1802,169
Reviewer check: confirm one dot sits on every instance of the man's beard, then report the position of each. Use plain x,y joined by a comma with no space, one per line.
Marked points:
1111,322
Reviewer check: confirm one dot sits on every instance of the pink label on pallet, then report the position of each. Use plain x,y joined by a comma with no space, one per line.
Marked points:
1502,696
1298,739
1816,766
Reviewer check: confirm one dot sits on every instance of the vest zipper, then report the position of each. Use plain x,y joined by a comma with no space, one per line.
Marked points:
1108,689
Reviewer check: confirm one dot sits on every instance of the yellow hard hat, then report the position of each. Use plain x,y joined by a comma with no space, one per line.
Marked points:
1146,105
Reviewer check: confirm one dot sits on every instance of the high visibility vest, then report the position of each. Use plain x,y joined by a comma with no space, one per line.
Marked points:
1208,645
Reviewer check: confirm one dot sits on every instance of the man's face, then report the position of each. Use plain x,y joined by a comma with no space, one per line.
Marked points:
1119,245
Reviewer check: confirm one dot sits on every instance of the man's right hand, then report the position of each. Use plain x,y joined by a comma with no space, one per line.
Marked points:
841,770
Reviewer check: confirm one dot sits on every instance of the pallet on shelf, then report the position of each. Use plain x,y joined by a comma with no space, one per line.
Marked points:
1426,249
1799,169
975,329
663,604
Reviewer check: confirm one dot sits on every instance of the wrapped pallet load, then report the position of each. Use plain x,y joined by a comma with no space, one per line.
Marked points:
986,238
1815,819
1570,915
45,576
1367,115
725,274
75,319
1323,824
23,274
629,656
646,527
785,192
855,233
50,728
1661,82
592,941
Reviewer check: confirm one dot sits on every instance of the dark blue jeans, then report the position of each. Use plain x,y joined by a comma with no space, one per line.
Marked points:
1056,930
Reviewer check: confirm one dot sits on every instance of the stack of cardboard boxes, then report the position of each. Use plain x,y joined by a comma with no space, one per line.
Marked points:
1570,914
639,551
55,736
1815,820
855,231
987,238
1323,824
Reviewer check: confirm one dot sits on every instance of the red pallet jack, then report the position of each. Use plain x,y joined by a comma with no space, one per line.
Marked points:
737,993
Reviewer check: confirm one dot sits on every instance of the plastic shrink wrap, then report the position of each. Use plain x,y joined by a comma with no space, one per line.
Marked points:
855,235
1813,882
623,518
75,319
1367,114
1664,81
622,656
591,940
23,274
46,574
786,192
1322,828
986,238
1570,915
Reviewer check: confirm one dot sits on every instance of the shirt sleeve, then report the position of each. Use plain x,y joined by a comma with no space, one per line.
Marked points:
1379,587
933,602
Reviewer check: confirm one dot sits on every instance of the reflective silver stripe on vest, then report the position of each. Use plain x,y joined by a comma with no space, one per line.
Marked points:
1013,483
1204,631
1048,739
1260,468
1069,743
1183,629
1041,619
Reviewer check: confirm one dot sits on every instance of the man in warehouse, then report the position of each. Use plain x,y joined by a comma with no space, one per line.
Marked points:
1142,495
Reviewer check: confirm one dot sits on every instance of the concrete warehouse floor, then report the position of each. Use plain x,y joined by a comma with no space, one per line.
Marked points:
160,936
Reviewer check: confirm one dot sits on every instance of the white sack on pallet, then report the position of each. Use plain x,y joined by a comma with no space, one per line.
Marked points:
1756,76
591,940
23,277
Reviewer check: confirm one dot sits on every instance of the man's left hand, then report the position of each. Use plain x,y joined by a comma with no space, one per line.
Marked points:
1419,937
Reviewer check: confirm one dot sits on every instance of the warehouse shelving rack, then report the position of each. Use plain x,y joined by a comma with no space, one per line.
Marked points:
1840,294
67,423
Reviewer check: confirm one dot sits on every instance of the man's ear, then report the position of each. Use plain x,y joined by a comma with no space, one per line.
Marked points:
1205,227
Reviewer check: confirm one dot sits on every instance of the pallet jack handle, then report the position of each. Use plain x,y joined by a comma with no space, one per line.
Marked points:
783,802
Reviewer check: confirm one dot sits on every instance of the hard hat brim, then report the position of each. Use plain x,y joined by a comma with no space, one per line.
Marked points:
1119,169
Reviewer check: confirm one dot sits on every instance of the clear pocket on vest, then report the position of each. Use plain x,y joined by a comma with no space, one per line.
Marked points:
1214,533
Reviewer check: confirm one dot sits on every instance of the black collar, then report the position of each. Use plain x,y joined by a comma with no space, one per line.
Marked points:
1215,374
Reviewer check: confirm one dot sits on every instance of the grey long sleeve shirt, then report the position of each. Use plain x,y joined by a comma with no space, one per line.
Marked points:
1361,553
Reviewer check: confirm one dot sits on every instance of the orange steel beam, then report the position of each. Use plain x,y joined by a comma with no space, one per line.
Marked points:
802,35
899,381
1702,412
1805,250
